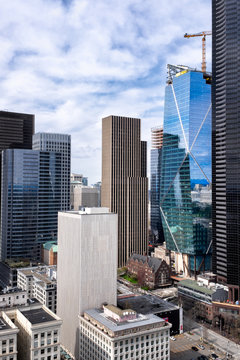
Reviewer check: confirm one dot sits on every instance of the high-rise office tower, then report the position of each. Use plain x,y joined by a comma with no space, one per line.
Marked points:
156,158
226,145
87,267
31,198
185,201
124,182
60,143
16,132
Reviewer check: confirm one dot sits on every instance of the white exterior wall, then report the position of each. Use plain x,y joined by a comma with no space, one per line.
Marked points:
13,299
140,345
8,340
87,268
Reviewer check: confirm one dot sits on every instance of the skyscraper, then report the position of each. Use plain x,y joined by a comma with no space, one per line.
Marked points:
87,267
16,132
31,198
185,201
60,143
124,182
226,146
156,159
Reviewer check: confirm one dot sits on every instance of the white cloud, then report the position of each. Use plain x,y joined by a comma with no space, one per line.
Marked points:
71,65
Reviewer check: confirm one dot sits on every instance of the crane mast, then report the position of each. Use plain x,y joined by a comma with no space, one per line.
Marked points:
203,34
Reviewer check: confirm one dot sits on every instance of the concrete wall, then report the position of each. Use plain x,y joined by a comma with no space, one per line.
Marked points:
87,268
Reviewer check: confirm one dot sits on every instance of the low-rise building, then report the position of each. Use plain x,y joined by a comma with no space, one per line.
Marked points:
104,337
12,297
150,271
8,271
8,338
49,253
38,333
197,297
40,283
151,304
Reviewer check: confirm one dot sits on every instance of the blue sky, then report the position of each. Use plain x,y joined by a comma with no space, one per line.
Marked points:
72,62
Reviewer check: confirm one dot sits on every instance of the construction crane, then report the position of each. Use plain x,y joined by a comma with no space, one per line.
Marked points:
203,34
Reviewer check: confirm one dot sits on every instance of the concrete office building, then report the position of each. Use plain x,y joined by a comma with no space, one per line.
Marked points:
38,332
40,283
60,143
87,267
226,146
13,297
116,334
124,183
8,338
83,196
31,199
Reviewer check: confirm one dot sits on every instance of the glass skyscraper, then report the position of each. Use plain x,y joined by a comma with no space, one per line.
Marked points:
185,192
60,143
31,199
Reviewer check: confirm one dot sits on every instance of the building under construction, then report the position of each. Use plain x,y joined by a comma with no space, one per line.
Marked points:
185,194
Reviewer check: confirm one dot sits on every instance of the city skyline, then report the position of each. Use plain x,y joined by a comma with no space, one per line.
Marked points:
59,68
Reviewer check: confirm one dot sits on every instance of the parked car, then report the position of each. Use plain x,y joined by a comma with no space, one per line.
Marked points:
200,346
194,348
214,356
172,338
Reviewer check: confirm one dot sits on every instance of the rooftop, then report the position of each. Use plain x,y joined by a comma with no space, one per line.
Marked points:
146,304
142,320
194,286
37,316
3,325
88,211
154,263
51,245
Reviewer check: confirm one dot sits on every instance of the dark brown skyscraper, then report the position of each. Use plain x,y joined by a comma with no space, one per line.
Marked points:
125,183
16,132
226,144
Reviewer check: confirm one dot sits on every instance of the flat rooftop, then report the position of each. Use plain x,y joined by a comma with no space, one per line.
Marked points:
88,211
142,320
146,304
37,316
3,325
193,285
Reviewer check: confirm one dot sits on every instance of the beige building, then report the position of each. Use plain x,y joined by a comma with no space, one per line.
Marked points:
8,338
83,196
87,267
33,330
40,282
124,182
116,334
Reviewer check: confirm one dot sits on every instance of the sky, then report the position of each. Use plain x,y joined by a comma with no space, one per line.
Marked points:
73,62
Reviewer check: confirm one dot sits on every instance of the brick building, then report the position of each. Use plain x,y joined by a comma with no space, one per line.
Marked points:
49,253
151,272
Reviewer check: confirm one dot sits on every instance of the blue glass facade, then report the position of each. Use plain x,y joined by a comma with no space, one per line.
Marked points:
185,195
156,221
31,198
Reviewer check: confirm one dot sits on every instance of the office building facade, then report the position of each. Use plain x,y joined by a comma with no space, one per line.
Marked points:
124,183
114,334
59,143
225,159
16,130
31,198
87,267
185,194
156,159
